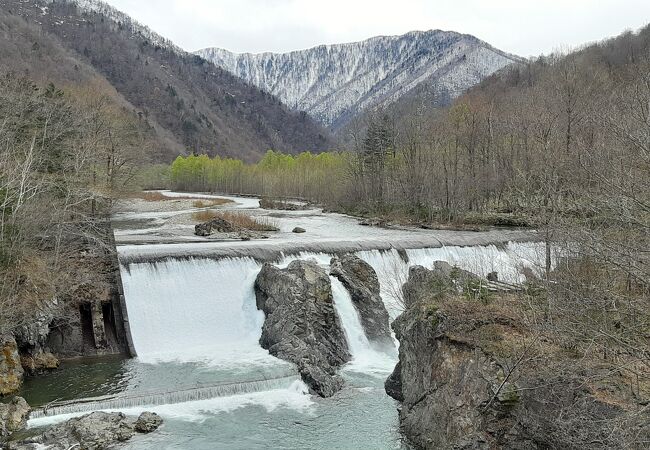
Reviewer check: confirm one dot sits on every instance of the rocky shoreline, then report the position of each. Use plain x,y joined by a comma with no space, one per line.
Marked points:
474,376
94,431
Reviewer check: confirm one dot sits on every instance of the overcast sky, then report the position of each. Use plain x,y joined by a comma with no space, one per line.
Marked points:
523,27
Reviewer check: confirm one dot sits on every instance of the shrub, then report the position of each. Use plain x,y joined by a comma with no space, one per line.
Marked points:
238,219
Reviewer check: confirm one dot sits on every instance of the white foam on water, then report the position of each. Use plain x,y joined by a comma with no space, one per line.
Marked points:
296,397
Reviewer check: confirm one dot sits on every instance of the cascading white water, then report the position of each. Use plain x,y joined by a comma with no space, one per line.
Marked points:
188,311
365,358
392,270
357,341
204,310
195,310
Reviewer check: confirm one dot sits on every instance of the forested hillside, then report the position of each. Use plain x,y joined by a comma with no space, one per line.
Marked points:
190,103
65,156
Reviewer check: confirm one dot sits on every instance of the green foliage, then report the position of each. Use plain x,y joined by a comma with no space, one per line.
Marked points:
307,175
439,288
431,314
476,289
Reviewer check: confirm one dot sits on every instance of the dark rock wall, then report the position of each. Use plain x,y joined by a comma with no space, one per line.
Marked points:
301,324
361,281
461,387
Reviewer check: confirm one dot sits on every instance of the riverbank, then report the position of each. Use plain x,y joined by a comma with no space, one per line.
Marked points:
478,370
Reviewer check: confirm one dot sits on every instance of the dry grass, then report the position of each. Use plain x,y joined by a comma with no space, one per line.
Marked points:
156,196
238,219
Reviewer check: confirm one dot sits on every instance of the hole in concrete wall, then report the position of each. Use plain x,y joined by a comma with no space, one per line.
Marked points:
87,327
109,327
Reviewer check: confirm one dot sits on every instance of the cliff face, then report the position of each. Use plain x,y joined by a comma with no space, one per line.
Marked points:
472,376
85,321
334,83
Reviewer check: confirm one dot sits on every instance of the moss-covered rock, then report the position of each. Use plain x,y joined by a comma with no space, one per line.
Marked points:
11,371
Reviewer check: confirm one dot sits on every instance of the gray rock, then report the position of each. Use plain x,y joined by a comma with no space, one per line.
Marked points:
361,281
33,335
148,422
13,416
94,431
299,230
393,384
301,324
493,276
457,394
216,224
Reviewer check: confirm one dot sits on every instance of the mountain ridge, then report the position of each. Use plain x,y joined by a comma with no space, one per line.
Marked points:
337,82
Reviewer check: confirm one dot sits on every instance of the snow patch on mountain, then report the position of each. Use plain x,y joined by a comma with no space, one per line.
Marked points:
334,83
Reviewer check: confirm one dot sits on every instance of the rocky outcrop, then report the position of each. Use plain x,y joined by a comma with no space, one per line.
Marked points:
98,430
13,416
472,376
39,362
361,281
301,324
11,371
147,422
393,384
216,224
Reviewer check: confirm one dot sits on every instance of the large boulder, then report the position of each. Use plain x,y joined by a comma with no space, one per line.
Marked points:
215,224
13,416
147,422
11,371
361,281
39,362
94,431
301,324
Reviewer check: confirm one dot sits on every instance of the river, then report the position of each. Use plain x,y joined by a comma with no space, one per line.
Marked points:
196,328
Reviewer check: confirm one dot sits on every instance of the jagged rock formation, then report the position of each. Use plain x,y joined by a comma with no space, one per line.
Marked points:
11,371
361,281
185,101
147,422
463,383
98,430
13,416
335,83
216,224
301,324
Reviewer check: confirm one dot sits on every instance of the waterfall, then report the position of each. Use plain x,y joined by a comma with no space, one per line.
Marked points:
204,310
196,328
392,268
357,341
195,310
364,357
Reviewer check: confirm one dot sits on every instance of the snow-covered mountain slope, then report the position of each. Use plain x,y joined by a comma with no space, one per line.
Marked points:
334,83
